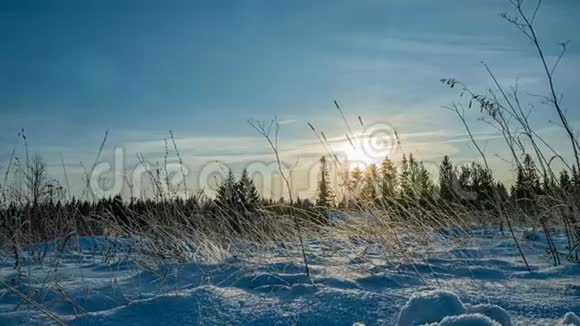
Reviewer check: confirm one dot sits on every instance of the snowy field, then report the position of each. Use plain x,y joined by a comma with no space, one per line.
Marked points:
100,283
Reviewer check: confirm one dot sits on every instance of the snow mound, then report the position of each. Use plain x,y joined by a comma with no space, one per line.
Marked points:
496,313
430,307
467,320
570,319
445,308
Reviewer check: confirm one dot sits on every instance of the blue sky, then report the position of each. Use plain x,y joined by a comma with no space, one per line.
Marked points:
69,70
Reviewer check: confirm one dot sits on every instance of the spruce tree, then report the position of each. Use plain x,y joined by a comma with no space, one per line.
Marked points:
357,177
369,191
501,191
527,185
405,179
447,177
388,179
325,195
575,180
465,185
226,193
346,185
483,185
565,182
246,192
532,175
413,179
424,182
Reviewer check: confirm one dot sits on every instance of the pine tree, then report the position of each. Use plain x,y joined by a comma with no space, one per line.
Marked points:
369,191
388,179
483,185
532,175
346,186
246,192
325,195
226,193
356,182
501,191
527,185
465,178
447,178
465,185
575,180
405,179
565,182
414,178
424,183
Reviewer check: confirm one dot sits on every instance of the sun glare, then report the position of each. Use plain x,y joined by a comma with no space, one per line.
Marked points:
362,152
356,157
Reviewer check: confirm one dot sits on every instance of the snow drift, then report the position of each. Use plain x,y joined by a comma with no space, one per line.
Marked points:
480,283
445,308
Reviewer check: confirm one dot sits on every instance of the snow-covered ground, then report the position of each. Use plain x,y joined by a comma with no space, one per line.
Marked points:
101,284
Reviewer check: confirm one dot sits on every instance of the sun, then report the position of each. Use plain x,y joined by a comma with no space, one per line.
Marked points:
359,153
356,157
369,146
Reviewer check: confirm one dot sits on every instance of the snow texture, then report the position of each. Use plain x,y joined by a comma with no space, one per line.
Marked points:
496,313
430,307
444,306
570,319
467,320
100,281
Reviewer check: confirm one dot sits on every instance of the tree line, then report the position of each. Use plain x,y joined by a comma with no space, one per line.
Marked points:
43,215
470,185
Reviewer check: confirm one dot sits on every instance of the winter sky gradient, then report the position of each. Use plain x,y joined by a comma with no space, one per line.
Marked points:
69,70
